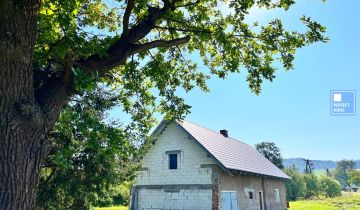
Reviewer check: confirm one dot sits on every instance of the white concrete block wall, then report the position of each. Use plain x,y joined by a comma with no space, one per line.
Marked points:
189,171
186,199
191,158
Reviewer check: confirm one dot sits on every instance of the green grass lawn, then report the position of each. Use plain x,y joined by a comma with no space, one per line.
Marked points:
112,208
349,201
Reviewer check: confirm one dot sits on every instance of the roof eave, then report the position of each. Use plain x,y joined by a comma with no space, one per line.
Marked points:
257,174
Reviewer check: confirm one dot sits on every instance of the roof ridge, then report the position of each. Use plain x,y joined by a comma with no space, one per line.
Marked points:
230,138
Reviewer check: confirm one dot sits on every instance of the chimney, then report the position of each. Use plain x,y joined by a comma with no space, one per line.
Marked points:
224,133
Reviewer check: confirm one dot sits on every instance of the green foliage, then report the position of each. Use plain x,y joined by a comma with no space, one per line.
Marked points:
354,177
342,171
64,28
312,185
118,195
295,188
330,187
122,194
271,152
74,30
309,185
91,156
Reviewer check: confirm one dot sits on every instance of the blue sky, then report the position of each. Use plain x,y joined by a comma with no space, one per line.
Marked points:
294,110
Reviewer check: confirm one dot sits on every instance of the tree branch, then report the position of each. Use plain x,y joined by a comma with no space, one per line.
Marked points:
52,96
129,8
160,43
126,45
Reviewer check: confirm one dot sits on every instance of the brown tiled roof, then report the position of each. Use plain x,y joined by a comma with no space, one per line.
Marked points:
231,153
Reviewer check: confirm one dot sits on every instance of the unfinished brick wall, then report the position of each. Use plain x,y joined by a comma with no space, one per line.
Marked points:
215,195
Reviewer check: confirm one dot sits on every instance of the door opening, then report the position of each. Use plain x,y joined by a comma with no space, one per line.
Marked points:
261,202
228,201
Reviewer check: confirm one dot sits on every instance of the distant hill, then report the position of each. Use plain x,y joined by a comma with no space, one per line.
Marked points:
318,164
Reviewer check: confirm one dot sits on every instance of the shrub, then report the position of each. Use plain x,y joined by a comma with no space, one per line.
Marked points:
118,195
295,188
330,187
312,185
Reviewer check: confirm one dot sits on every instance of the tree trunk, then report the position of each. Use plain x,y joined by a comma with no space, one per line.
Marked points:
21,157
22,123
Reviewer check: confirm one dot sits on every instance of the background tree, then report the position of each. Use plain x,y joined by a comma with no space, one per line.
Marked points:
49,52
330,187
343,168
354,177
295,187
271,152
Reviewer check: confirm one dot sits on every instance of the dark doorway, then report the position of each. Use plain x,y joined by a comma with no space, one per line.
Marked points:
261,202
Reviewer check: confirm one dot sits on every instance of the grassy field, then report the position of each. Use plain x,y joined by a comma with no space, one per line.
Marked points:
320,172
349,201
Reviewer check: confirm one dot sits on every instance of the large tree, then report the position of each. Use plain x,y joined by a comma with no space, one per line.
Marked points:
51,50
269,150
342,172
